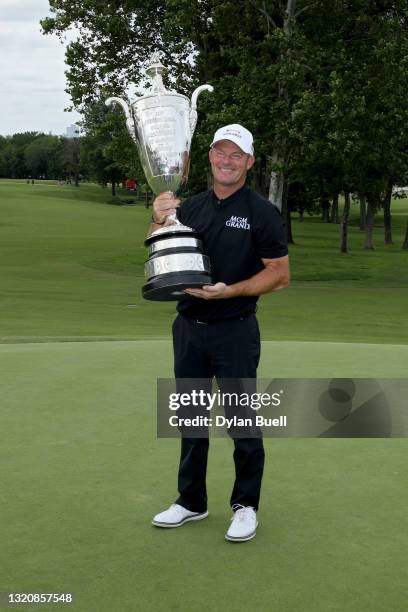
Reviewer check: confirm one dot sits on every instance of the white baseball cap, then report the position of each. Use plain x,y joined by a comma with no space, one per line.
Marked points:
238,134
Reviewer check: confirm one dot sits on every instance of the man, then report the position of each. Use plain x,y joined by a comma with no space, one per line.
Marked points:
216,332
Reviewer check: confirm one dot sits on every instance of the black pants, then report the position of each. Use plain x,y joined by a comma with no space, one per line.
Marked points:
227,349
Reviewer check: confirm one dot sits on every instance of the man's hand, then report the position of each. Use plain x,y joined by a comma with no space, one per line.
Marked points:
210,292
274,276
164,205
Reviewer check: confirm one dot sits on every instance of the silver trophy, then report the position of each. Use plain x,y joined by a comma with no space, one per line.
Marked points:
162,124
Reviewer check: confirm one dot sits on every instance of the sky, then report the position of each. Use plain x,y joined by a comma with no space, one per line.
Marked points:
32,80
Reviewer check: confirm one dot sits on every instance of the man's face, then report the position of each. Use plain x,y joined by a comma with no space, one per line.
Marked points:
229,164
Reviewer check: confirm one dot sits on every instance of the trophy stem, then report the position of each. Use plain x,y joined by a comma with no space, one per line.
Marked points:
174,218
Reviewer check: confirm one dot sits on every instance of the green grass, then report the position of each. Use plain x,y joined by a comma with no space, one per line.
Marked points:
72,266
83,472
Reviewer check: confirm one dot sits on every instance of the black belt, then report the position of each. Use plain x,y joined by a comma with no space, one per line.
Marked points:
213,321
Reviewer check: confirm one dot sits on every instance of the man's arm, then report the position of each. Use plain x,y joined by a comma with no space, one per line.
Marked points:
273,277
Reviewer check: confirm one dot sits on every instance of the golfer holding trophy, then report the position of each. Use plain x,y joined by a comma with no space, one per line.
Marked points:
216,254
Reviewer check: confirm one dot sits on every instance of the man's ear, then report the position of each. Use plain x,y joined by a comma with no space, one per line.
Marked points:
250,162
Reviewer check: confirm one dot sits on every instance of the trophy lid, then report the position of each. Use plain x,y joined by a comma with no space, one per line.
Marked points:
155,70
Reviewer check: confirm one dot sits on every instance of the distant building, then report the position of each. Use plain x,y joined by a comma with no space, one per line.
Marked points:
72,131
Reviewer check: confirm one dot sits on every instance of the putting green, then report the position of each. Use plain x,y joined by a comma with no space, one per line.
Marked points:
83,473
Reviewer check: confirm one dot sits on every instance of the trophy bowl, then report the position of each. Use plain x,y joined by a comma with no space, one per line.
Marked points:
162,124
176,261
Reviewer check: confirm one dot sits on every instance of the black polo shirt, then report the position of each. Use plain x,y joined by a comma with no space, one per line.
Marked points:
237,233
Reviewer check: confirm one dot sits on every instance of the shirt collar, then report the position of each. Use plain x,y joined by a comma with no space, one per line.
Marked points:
232,198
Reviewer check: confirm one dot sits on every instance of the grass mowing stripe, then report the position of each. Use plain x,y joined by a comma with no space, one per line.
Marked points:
278,359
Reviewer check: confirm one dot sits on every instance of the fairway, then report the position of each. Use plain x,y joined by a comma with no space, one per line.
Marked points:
72,267
83,472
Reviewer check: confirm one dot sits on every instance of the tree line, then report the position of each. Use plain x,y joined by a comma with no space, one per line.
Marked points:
96,157
37,155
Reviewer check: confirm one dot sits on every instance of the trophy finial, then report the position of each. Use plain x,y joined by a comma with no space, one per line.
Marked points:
155,58
155,70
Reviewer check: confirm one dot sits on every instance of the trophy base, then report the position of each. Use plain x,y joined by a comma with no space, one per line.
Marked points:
170,287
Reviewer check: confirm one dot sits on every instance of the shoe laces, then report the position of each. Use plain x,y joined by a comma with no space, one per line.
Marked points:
241,512
179,509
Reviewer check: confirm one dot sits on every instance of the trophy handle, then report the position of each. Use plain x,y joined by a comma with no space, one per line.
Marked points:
129,118
193,111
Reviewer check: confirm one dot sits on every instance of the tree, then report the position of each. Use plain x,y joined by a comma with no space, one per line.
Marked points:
12,148
3,162
38,155
321,85
108,152
70,159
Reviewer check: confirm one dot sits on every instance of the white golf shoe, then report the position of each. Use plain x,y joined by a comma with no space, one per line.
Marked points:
176,516
243,524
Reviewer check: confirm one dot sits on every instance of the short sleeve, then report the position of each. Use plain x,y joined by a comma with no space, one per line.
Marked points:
179,214
182,212
269,232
